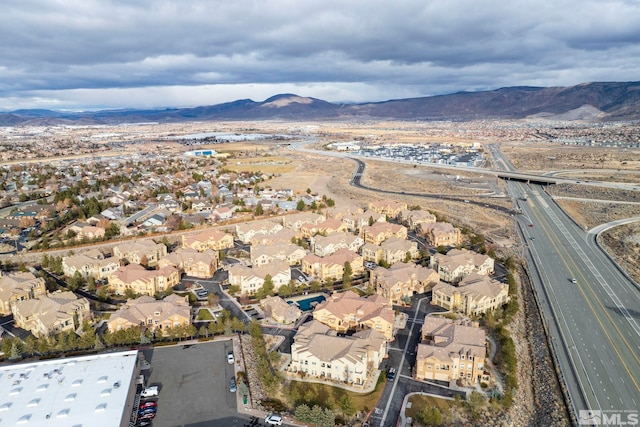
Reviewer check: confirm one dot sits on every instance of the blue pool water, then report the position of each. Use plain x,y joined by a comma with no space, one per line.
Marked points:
306,304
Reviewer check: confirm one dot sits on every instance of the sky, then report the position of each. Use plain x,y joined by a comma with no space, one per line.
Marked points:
103,54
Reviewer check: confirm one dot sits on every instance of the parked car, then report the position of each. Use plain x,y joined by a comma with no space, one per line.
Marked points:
144,423
149,391
232,385
391,374
145,405
147,416
573,280
144,365
273,419
230,358
151,410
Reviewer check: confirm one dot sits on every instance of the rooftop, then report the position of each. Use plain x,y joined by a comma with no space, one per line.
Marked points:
78,391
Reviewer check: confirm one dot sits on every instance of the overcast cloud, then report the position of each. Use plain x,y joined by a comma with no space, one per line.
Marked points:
88,54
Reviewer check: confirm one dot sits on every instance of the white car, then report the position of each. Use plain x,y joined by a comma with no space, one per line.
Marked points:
273,419
149,391
230,358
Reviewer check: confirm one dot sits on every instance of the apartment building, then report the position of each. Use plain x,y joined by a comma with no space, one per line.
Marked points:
412,219
474,295
458,263
347,311
16,287
391,208
319,353
92,263
247,231
332,267
295,221
143,252
391,250
264,254
209,239
279,237
280,311
327,245
251,279
326,227
148,313
143,281
52,313
355,221
450,351
381,231
440,233
402,280
201,264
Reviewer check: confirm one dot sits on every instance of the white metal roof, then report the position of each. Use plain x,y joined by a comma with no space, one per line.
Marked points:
78,391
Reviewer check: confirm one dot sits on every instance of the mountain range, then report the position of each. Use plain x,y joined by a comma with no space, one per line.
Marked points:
610,101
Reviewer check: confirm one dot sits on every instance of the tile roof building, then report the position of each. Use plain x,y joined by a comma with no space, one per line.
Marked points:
208,239
280,311
91,263
264,254
19,287
52,313
347,311
143,252
143,281
148,313
391,250
390,208
401,281
317,352
332,267
381,231
458,263
247,231
327,245
474,295
201,264
450,350
440,233
250,280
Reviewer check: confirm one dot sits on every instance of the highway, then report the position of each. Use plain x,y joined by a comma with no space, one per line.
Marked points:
594,323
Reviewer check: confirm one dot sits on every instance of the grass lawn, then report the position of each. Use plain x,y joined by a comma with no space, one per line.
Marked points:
204,314
419,402
327,396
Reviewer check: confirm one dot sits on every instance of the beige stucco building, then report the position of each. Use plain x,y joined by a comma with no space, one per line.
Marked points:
247,231
401,281
332,267
19,287
280,311
450,350
264,254
201,264
208,239
458,263
251,279
143,252
327,245
391,250
143,281
440,233
474,295
149,313
52,313
92,263
381,231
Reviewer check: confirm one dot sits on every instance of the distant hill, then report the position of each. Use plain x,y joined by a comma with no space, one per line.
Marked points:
587,101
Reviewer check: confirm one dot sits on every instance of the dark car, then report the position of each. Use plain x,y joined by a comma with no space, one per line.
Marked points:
144,423
147,416
391,374
151,410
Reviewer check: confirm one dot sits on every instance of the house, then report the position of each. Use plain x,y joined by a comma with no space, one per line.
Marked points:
222,213
208,239
142,281
148,313
278,238
143,252
277,309
264,254
91,263
318,352
325,227
250,280
458,263
381,231
52,313
440,233
474,295
401,281
248,230
390,208
332,267
91,232
192,262
390,251
19,287
327,245
450,350
347,311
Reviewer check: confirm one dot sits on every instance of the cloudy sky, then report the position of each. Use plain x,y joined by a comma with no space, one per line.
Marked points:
89,54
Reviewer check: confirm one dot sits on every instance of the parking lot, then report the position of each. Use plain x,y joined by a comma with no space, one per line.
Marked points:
194,385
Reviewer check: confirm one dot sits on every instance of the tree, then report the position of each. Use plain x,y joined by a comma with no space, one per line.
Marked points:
76,281
347,272
300,205
129,293
430,417
476,403
267,287
259,210
347,406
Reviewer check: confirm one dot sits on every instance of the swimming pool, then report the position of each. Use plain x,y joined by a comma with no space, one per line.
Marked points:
308,303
